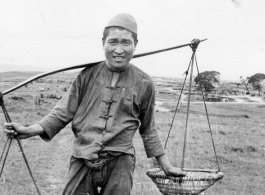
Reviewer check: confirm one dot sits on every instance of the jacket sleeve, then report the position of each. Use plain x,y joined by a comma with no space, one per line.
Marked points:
63,112
148,131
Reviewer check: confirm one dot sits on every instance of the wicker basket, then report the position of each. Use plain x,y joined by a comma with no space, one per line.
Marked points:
194,182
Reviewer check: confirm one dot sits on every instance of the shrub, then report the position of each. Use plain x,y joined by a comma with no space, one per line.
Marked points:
17,98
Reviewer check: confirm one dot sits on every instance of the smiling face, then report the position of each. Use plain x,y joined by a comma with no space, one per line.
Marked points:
119,47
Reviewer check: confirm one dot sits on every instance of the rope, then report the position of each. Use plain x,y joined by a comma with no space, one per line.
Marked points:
208,120
191,63
8,143
187,118
3,154
171,125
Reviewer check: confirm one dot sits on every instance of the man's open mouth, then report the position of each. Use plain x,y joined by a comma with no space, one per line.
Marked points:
118,57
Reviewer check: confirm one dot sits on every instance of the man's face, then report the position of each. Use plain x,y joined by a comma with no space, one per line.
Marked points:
119,47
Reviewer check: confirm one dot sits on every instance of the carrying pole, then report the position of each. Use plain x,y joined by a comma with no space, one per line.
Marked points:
38,76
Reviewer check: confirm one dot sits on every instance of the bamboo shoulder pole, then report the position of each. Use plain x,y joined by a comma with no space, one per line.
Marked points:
38,76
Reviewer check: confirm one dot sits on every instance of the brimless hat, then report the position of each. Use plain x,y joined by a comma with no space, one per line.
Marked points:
125,21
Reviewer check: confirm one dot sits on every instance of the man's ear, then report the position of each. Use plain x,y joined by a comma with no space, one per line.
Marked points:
103,42
135,44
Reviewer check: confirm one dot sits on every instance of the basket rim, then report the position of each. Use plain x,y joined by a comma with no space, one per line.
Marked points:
154,173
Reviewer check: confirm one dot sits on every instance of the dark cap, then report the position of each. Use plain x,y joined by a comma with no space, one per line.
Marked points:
125,21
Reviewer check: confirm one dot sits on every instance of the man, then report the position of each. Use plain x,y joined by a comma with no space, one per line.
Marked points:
106,104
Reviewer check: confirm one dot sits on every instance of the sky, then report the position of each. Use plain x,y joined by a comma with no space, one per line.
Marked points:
37,35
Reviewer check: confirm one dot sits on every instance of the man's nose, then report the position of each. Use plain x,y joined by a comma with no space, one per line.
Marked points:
119,49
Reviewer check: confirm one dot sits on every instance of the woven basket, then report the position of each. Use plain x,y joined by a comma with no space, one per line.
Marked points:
194,182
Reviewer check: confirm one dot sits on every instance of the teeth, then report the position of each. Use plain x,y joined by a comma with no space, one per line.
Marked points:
118,57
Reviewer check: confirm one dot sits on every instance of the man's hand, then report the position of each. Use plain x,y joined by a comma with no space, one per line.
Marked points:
12,129
174,171
168,169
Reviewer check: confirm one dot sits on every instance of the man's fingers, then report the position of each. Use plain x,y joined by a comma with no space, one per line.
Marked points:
9,129
10,132
183,174
178,172
8,126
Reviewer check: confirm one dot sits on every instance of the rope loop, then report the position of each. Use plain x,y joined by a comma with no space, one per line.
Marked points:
194,45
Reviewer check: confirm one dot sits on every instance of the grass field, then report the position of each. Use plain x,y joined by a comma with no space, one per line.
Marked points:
238,130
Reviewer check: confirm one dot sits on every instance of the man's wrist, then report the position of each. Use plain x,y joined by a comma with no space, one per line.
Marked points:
164,162
34,130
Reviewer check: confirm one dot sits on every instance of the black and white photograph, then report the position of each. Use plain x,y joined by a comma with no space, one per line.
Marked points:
119,97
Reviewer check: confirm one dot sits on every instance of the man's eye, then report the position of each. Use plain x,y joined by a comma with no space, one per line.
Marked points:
127,42
112,42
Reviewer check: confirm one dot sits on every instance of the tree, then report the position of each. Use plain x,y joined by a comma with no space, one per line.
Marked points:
205,81
258,87
244,82
256,80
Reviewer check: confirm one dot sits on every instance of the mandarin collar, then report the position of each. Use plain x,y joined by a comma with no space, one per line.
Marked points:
119,70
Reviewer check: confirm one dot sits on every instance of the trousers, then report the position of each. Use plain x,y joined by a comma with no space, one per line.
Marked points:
115,177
